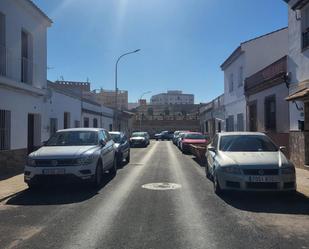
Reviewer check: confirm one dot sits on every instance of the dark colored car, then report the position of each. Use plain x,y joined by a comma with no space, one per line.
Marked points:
164,135
122,146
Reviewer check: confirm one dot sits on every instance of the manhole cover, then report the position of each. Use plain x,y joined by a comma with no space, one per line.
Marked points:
161,186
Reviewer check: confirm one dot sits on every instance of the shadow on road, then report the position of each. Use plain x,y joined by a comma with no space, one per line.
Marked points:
53,194
279,203
202,163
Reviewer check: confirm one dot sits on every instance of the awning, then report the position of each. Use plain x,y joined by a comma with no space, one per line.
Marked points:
299,95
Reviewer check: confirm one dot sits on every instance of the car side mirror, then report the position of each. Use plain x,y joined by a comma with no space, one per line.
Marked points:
212,149
102,142
282,148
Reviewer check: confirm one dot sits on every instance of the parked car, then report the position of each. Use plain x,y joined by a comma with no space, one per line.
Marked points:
176,136
248,161
192,138
181,135
139,139
82,154
122,146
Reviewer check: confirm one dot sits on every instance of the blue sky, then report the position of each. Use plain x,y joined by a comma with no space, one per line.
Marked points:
182,42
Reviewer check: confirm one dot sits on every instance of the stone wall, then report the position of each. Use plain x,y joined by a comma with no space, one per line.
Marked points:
297,148
12,162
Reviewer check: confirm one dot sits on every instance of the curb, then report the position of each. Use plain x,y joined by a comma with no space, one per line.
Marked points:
11,195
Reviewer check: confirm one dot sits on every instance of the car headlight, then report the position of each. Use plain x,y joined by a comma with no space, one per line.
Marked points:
231,170
85,160
288,170
30,162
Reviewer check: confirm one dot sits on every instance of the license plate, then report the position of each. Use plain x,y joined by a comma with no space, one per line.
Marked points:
262,179
53,171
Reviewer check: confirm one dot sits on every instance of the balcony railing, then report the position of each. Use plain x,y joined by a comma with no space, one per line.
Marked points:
275,71
2,61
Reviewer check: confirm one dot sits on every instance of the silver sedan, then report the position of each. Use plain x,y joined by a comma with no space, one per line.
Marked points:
248,161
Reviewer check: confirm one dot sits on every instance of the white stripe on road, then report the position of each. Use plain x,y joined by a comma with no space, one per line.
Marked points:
196,233
93,231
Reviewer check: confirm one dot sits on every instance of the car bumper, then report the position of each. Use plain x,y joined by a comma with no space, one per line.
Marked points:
138,143
59,174
244,183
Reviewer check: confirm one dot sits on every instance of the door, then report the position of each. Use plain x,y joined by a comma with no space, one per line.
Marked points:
211,155
30,142
110,148
253,117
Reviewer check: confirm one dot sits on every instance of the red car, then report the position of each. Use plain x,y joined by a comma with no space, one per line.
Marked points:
195,138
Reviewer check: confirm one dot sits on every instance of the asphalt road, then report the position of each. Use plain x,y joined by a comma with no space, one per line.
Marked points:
123,214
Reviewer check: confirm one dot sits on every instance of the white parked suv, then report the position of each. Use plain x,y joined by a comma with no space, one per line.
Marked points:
82,154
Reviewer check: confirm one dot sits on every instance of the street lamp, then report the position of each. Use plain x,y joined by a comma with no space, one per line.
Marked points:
116,83
140,119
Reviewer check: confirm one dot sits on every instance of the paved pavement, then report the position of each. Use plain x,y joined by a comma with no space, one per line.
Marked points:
125,214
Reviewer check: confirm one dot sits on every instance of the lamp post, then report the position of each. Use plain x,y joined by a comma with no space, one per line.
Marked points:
140,119
116,82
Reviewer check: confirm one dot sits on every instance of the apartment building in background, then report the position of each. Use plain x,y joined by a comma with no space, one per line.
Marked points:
250,57
175,97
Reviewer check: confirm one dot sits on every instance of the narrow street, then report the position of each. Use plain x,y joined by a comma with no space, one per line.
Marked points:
123,214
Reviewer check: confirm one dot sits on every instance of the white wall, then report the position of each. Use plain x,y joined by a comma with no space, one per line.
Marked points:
256,55
20,104
298,64
29,20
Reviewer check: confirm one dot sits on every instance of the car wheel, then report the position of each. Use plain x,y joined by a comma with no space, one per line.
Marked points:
120,159
216,184
128,157
113,170
32,186
98,177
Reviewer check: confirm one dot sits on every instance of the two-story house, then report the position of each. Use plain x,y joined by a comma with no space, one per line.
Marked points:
298,72
23,72
250,57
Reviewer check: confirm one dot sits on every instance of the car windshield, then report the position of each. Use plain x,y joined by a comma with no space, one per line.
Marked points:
73,138
138,134
194,136
116,137
249,143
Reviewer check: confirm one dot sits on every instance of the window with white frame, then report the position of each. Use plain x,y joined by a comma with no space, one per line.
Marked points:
5,129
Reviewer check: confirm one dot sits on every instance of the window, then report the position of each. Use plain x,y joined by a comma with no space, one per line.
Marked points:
305,28
26,63
95,122
270,113
240,77
231,83
240,122
53,123
66,120
110,127
2,45
86,122
5,129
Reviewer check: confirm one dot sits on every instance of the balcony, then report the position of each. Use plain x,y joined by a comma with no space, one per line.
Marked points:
268,77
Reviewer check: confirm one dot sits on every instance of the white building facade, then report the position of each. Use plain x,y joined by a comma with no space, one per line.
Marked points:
250,57
172,98
23,63
298,71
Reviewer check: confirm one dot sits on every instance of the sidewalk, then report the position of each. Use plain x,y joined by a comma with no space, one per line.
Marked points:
13,185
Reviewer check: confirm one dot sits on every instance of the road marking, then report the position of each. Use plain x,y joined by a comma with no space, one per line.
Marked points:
161,186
